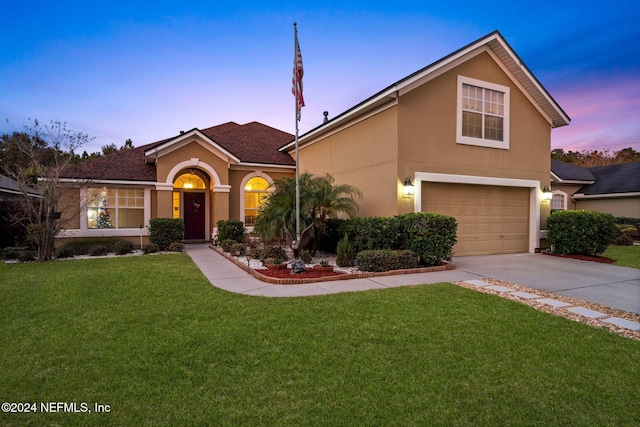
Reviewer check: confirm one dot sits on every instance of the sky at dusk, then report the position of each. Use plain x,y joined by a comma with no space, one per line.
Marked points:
147,70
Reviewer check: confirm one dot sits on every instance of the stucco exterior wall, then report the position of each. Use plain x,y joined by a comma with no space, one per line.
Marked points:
364,155
190,151
628,207
427,129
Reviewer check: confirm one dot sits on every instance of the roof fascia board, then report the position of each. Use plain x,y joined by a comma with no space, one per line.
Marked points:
106,181
186,138
341,125
579,196
382,98
263,165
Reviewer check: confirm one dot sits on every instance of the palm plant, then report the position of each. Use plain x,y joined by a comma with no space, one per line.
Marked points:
320,199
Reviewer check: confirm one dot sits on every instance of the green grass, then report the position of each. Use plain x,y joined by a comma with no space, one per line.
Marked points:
150,337
626,256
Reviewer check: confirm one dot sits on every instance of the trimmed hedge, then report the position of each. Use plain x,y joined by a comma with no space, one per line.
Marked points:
580,232
386,260
165,231
373,233
83,246
431,236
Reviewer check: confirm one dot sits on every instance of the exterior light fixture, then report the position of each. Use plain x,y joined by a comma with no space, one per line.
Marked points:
547,195
408,187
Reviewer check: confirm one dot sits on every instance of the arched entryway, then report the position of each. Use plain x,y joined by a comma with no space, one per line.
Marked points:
191,202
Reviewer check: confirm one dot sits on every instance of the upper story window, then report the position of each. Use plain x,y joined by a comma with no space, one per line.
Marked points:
483,113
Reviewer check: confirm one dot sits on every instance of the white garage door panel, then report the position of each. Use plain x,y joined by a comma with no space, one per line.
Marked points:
491,219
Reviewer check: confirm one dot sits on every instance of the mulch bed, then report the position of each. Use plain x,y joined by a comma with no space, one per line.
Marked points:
599,259
285,273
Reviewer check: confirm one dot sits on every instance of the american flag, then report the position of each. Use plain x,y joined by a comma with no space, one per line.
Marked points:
296,81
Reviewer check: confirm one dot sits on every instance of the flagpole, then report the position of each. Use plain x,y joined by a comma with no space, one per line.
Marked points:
295,62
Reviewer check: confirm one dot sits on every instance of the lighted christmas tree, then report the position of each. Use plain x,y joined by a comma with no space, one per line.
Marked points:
104,217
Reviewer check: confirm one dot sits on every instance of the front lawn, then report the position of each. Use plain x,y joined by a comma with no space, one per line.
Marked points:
626,256
151,338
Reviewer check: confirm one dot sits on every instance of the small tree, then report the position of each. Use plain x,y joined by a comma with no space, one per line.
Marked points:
44,151
320,200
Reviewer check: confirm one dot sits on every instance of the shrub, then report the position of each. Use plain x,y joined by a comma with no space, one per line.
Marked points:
231,229
373,233
27,256
65,252
176,247
11,253
580,232
629,221
151,248
165,231
123,247
98,250
227,244
238,249
430,235
83,246
623,234
345,253
386,260
256,253
306,257
276,253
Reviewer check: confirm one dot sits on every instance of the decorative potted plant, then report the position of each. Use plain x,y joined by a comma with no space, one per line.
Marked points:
274,263
323,266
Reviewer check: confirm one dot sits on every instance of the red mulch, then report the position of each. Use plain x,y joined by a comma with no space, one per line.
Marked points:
285,273
599,259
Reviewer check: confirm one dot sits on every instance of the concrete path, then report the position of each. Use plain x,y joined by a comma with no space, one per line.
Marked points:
612,286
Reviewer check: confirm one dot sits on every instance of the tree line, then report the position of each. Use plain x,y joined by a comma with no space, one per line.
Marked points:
594,158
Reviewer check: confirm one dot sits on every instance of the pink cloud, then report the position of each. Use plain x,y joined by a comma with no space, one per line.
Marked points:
605,113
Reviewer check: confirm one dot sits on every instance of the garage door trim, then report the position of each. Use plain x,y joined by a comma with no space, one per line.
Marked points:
535,195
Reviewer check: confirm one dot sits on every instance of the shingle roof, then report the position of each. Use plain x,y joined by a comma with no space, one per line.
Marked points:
127,165
9,186
570,172
623,178
251,143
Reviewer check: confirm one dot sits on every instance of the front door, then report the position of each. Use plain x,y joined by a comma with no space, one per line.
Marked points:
194,212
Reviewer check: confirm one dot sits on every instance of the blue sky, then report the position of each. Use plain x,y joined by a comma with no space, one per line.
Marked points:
147,70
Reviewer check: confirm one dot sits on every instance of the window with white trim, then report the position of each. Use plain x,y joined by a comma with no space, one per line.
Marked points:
559,201
110,207
256,191
483,113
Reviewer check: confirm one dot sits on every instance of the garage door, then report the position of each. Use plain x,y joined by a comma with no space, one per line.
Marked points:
491,219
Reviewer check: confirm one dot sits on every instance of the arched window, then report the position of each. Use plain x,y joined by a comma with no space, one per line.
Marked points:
188,181
255,192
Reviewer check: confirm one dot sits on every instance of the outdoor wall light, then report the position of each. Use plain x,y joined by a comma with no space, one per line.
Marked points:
547,195
408,187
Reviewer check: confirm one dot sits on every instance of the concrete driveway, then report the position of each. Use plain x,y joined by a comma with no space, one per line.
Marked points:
610,285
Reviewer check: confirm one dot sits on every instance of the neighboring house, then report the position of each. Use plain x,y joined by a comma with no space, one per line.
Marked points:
202,176
471,131
10,192
613,189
